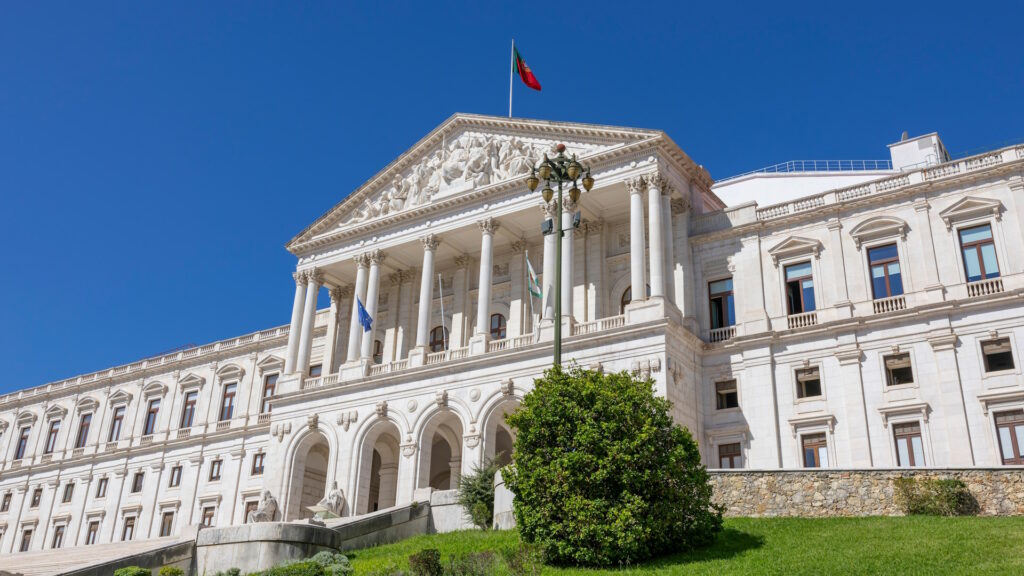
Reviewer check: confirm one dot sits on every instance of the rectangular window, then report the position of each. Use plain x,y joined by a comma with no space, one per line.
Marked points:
257,463
69,491
26,540
315,371
721,303
730,456
998,355
886,277
151,414
898,370
1010,429
979,253
227,404
815,451
115,424
37,497
51,437
83,430
800,288
94,530
250,507
58,536
19,451
726,396
188,411
6,504
137,481
808,383
175,479
215,470
101,488
269,386
909,447
129,529
208,516
166,523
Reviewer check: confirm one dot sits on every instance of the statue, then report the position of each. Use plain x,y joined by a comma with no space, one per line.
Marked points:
330,505
266,510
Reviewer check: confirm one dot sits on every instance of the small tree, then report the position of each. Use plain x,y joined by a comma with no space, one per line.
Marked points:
476,494
602,476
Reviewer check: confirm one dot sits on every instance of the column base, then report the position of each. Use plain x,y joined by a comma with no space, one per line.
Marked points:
418,356
478,344
653,308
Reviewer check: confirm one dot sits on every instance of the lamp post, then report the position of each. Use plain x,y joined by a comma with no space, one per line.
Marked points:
560,170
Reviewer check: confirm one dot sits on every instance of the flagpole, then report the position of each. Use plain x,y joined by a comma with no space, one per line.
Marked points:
512,59
528,291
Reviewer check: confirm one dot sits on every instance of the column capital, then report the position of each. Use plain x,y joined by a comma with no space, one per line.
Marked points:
636,185
657,181
338,292
462,261
488,225
314,275
376,256
300,278
362,260
400,277
519,246
680,205
548,210
568,206
431,242
593,225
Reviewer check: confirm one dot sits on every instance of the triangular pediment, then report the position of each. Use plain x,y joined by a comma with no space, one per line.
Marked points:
191,380
270,363
878,227
465,153
55,412
970,207
794,246
120,397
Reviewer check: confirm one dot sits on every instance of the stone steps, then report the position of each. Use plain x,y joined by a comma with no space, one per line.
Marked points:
46,562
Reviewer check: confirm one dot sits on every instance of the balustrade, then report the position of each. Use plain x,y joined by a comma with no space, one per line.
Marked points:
890,304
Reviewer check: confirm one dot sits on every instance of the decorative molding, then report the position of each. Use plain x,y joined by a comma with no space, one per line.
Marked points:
971,207
488,226
636,185
798,422
362,260
431,242
382,409
878,227
191,380
888,411
346,419
507,387
312,420
1003,396
441,398
794,246
377,257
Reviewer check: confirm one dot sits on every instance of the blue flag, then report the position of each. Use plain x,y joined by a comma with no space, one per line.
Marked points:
364,316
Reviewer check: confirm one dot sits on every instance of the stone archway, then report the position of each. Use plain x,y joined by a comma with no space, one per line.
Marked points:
440,464
308,482
498,436
377,484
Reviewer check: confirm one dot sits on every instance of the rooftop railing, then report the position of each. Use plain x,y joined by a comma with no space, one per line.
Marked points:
817,166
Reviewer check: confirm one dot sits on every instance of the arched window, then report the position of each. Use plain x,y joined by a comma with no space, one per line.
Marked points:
438,338
378,351
497,327
627,297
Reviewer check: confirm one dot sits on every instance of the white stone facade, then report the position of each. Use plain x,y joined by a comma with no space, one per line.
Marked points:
393,412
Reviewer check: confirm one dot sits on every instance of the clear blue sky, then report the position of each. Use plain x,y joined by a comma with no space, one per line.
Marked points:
155,157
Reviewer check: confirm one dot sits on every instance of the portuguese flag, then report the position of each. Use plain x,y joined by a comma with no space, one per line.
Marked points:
519,67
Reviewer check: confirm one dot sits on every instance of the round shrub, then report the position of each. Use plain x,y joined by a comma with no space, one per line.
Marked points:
133,571
602,476
171,571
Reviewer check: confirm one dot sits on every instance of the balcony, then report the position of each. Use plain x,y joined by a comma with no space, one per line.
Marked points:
447,355
263,418
803,320
984,287
110,446
146,440
599,325
183,434
721,334
891,304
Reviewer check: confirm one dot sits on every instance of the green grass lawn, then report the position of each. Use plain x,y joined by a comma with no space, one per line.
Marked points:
875,545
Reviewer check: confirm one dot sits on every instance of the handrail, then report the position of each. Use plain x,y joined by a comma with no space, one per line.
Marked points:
817,166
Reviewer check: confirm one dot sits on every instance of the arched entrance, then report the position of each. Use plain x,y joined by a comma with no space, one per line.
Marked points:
440,451
498,436
308,483
377,484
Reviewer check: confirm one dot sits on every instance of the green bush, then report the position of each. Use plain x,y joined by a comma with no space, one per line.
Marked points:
333,563
523,560
476,494
474,564
133,571
171,571
302,568
426,563
934,497
602,476
229,572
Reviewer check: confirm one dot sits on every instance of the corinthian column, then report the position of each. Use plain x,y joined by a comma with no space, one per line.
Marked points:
313,279
635,186
372,297
655,185
355,330
550,248
568,210
330,346
483,301
296,325
430,244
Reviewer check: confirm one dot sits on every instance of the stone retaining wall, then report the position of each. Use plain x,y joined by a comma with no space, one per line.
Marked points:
999,491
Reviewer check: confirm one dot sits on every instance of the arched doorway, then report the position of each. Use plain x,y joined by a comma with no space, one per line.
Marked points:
498,436
440,464
310,467
377,484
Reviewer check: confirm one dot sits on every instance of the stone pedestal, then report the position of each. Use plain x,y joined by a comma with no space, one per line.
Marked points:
418,356
354,370
478,344
646,310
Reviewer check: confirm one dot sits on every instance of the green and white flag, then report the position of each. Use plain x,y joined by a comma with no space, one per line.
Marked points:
532,281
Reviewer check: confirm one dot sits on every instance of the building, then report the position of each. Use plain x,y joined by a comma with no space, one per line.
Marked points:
832,314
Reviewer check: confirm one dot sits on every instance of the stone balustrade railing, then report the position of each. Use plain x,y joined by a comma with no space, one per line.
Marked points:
891,304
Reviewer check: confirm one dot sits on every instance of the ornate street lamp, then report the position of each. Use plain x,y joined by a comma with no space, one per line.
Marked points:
560,170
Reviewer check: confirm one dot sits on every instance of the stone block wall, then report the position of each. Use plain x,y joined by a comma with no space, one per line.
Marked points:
820,493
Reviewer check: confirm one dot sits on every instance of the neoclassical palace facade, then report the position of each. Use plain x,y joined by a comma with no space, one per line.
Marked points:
833,314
